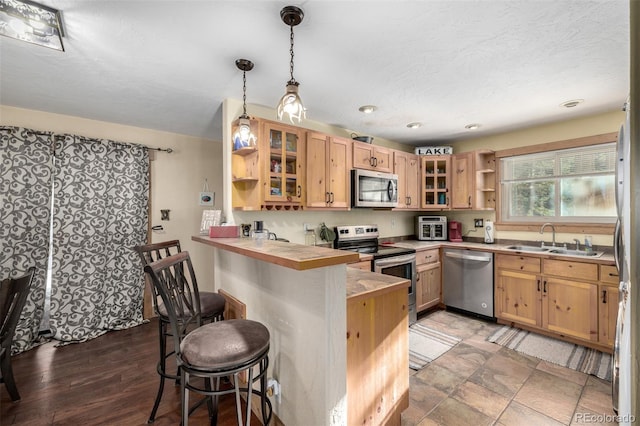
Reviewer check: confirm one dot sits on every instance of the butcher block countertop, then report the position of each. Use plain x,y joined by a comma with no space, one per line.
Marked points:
295,256
364,284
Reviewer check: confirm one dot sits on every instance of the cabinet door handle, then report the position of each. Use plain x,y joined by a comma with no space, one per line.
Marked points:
326,197
299,191
545,286
371,161
469,200
331,199
375,161
604,296
538,285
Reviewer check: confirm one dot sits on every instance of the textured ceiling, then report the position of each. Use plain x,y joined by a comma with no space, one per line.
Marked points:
168,65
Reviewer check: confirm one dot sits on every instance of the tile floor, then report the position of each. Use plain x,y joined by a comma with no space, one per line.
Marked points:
482,383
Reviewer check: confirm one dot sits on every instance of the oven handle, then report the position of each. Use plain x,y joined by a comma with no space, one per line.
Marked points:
396,260
468,257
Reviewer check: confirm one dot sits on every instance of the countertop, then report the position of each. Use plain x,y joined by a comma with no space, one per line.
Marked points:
362,284
606,259
290,255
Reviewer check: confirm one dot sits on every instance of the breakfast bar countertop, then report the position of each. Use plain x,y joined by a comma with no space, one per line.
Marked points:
290,255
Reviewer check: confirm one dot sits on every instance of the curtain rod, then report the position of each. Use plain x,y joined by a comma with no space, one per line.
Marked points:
167,150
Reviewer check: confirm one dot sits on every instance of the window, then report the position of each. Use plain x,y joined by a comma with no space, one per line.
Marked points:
574,185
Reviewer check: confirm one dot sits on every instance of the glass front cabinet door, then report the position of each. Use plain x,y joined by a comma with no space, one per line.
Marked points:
284,168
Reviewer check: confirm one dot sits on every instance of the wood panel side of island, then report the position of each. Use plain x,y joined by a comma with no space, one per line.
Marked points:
378,358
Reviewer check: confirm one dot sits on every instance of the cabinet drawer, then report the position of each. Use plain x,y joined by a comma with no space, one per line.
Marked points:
569,269
365,265
609,274
518,263
427,256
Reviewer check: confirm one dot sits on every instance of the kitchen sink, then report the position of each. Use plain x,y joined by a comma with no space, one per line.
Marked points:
574,252
528,248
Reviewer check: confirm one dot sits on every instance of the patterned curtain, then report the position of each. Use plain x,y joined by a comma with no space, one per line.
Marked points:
25,219
100,201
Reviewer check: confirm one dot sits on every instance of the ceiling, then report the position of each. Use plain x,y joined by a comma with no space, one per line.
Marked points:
168,65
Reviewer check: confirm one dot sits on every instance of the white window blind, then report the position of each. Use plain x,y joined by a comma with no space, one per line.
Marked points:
576,184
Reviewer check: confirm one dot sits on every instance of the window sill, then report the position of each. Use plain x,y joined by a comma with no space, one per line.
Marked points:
581,228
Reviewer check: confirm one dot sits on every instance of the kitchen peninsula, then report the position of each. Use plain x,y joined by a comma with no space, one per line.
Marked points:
339,335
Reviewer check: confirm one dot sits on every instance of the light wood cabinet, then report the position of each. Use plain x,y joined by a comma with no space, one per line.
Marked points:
570,308
407,167
517,296
484,197
328,179
364,265
608,303
377,361
428,279
434,185
561,297
462,181
372,157
284,163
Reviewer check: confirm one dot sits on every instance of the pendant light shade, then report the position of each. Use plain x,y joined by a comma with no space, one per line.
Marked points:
243,135
290,105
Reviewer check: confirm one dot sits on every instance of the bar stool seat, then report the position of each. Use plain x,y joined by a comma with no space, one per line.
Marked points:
226,344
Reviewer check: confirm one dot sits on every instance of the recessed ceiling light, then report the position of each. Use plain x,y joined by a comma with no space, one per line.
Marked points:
367,109
414,125
572,103
472,126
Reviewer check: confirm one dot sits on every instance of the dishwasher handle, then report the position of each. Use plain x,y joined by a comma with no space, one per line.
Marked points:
468,257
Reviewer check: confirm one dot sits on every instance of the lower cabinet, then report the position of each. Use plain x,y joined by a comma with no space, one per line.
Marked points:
563,297
428,280
608,300
377,360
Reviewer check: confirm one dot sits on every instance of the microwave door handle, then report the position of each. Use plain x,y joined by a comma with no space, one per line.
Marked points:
391,190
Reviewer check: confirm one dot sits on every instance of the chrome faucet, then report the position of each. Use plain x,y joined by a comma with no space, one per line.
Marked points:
577,244
553,231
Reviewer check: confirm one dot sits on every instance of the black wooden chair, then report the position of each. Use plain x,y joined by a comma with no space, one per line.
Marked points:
13,296
212,351
212,305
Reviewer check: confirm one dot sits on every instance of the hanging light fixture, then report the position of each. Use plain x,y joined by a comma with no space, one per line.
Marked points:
291,104
243,137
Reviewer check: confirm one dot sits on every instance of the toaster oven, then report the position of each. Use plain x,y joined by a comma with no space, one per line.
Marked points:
431,228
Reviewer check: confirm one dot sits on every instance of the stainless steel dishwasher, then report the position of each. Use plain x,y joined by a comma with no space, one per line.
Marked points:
467,281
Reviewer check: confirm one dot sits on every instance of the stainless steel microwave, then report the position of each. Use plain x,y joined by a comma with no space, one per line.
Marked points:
431,228
373,189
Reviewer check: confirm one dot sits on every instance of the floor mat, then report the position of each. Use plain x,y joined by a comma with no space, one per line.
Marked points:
427,344
556,351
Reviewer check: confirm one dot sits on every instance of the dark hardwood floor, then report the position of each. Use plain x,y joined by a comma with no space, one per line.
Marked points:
110,380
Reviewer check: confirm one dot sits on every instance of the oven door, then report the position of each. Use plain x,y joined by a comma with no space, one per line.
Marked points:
403,266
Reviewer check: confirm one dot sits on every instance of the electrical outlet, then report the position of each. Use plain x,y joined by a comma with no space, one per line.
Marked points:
478,223
307,227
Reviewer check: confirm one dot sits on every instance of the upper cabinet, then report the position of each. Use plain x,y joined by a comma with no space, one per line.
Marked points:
485,180
269,174
462,181
407,167
435,182
372,157
284,163
328,162
473,180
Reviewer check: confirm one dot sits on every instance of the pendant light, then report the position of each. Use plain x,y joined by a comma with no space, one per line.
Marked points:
243,137
291,104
